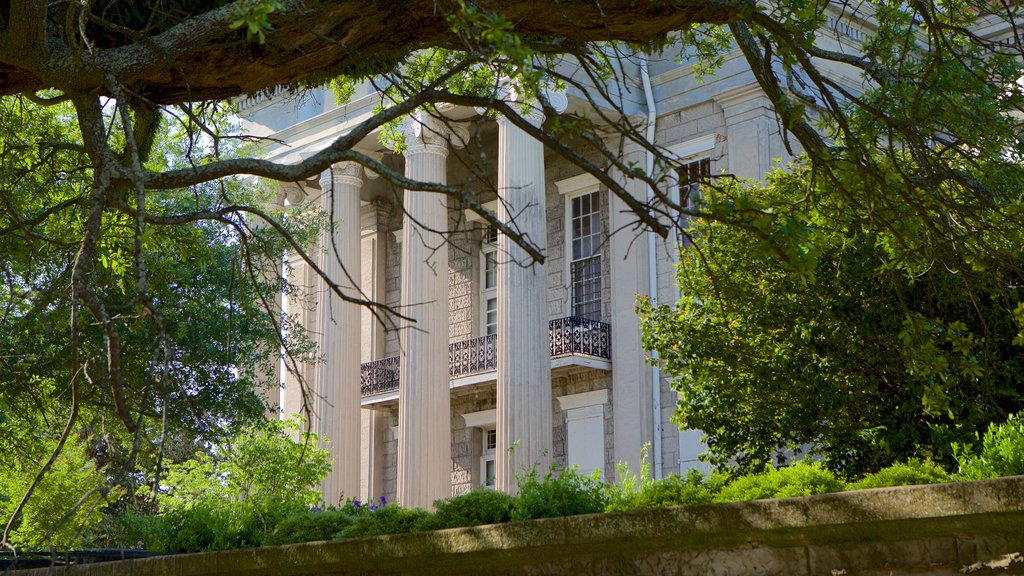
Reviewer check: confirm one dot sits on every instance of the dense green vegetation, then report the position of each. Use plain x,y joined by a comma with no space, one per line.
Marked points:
865,312
227,516
809,336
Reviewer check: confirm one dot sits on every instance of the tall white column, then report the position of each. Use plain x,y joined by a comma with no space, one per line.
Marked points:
524,367
424,405
340,331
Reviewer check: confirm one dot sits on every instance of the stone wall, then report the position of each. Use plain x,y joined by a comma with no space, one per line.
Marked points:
462,254
946,529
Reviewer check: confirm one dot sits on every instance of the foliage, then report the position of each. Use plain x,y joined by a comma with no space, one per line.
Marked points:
235,494
197,357
310,526
633,493
672,490
563,494
476,507
130,282
75,492
128,529
1001,452
387,519
260,466
806,335
803,478
909,473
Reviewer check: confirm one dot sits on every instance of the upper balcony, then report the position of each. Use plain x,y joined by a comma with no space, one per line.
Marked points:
574,341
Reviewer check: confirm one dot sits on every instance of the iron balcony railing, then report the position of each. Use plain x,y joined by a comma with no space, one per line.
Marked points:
473,355
379,376
574,335
568,336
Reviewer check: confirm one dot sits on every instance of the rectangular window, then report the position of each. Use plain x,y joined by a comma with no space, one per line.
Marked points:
690,176
488,465
585,265
489,283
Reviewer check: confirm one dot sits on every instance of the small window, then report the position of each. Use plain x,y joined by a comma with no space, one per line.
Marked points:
488,463
691,175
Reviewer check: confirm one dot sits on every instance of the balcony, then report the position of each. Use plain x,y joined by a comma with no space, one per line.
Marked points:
569,337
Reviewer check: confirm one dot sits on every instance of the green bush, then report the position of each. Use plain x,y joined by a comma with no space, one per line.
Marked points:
196,528
672,490
1001,452
480,506
310,526
911,472
211,524
127,529
566,494
389,519
801,479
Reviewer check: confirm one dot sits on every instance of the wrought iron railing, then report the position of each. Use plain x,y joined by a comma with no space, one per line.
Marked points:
575,335
379,376
568,336
473,355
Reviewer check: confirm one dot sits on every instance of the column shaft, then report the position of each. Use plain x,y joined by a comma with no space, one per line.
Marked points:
524,365
424,406
340,332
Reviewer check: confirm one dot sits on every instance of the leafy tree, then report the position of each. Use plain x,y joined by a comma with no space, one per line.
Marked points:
230,495
259,467
195,351
75,491
809,337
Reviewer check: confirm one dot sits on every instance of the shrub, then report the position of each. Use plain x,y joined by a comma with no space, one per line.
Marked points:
194,528
672,490
477,507
127,529
234,496
566,494
1001,453
389,519
911,472
213,524
801,479
310,526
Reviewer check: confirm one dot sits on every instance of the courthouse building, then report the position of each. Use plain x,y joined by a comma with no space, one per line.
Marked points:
507,365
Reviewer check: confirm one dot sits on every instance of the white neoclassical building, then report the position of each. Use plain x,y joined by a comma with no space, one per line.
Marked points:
505,365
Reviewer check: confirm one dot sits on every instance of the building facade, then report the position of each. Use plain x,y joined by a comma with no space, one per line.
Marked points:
500,365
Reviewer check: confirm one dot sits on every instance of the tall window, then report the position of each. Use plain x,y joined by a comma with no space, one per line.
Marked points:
489,276
585,265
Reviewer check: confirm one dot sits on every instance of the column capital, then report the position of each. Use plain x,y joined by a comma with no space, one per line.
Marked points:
529,107
425,133
350,173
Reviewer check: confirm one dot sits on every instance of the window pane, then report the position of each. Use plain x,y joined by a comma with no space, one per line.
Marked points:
489,473
490,270
585,268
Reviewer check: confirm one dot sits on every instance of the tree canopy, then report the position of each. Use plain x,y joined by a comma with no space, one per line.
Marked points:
834,351
107,240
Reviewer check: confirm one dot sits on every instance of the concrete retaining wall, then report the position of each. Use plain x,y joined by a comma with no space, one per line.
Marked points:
975,527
